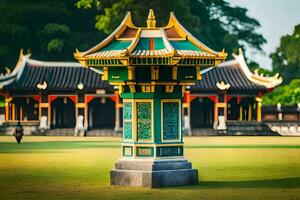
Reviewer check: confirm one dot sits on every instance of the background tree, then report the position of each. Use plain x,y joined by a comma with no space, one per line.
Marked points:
286,58
286,94
50,29
215,22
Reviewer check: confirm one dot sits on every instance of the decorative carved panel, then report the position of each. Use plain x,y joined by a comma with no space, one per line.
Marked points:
144,125
127,124
170,120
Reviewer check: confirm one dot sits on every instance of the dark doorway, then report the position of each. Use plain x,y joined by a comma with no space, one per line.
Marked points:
233,109
63,113
101,113
26,109
202,113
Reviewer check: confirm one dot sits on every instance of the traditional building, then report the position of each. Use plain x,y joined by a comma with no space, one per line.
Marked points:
55,89
230,93
59,91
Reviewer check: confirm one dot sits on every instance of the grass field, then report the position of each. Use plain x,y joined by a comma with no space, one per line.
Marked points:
78,168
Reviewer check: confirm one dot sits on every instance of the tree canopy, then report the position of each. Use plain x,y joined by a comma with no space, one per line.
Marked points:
286,94
215,22
286,58
49,29
52,29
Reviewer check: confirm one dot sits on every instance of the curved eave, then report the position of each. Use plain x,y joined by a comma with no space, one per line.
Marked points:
173,22
127,22
268,82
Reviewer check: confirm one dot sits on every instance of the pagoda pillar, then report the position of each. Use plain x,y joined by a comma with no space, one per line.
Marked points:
81,108
250,112
44,112
151,74
221,112
258,108
7,105
216,114
221,108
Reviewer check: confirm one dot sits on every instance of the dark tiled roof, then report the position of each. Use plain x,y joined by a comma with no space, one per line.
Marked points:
58,78
232,75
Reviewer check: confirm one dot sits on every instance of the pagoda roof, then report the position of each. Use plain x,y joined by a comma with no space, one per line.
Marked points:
33,76
129,41
236,74
65,76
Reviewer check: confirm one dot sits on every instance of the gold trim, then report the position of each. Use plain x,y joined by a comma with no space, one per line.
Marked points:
174,73
146,88
151,22
116,83
169,88
157,83
80,105
132,88
198,71
152,145
187,83
258,108
131,73
44,105
241,114
249,112
154,73
221,105
121,89
105,73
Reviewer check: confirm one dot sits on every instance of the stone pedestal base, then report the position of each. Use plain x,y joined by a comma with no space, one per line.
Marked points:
153,173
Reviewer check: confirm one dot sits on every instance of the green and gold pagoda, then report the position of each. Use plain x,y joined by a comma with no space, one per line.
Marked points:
151,67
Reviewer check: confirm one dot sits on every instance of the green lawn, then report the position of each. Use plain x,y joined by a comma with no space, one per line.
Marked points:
78,168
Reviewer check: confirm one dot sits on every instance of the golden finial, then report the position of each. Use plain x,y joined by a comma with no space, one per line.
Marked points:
151,22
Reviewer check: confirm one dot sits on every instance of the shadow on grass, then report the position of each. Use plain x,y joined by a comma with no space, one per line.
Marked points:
54,146
293,182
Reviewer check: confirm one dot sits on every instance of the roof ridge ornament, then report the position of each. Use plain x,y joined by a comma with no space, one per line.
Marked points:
42,86
151,22
222,85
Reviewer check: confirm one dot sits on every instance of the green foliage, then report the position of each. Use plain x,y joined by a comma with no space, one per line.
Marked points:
51,29
86,4
286,95
55,45
286,58
214,22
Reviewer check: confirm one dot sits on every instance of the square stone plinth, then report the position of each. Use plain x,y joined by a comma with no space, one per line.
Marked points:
153,173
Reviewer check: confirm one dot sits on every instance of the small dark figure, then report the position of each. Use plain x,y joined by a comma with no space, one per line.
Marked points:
19,132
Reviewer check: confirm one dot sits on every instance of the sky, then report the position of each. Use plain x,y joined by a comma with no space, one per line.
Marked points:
277,18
